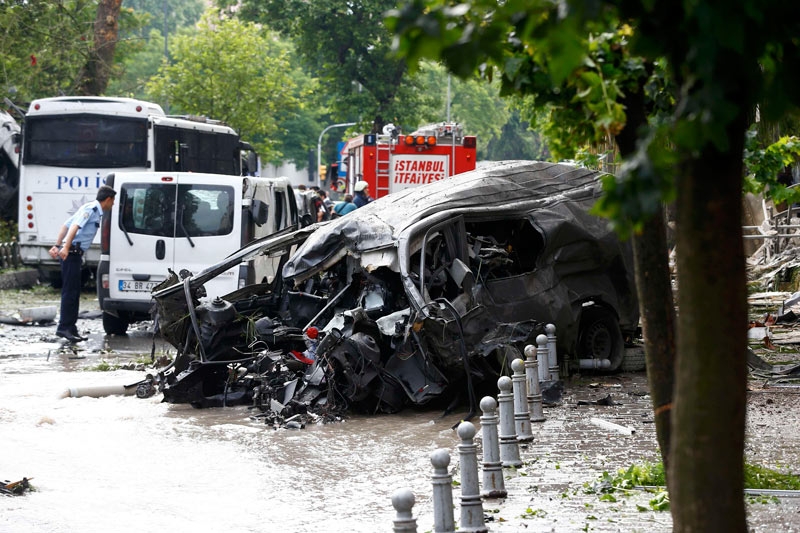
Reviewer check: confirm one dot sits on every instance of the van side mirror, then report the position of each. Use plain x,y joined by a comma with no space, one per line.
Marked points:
259,210
252,163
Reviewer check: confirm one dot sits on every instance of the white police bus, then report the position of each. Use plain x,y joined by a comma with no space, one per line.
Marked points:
70,144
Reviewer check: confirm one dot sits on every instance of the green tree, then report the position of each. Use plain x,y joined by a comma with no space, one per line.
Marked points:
235,72
176,14
65,47
516,141
573,111
346,46
725,58
141,47
138,60
475,105
43,45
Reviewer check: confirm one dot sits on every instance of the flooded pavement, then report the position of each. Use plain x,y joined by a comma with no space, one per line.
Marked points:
120,463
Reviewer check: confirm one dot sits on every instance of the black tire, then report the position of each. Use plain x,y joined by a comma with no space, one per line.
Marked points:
114,325
600,337
52,277
86,277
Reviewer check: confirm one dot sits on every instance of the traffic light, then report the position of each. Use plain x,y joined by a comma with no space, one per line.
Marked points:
322,170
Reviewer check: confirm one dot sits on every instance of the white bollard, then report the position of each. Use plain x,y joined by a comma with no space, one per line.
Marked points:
522,418
541,344
534,389
403,502
493,484
509,447
471,503
552,354
443,520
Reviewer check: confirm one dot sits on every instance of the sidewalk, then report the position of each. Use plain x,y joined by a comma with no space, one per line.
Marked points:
557,487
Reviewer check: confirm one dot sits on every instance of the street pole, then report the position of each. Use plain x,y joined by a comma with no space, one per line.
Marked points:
319,147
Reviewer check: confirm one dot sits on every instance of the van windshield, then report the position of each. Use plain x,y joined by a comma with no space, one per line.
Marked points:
154,208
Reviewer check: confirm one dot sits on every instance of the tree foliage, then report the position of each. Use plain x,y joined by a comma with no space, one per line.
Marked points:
575,80
236,72
141,48
723,59
347,47
765,165
176,14
138,60
43,45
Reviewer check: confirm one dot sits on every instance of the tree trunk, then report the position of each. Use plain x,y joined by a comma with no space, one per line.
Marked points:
657,310
708,415
654,288
94,76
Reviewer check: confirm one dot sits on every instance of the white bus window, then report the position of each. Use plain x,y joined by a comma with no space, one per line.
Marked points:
85,141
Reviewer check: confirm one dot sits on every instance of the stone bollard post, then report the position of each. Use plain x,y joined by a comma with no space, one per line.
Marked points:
443,520
403,502
534,388
509,447
493,484
552,354
522,418
471,504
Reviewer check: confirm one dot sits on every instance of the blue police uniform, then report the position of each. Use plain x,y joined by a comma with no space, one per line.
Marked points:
87,217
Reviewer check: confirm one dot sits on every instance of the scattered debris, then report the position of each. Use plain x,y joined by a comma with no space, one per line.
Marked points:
764,369
31,315
99,391
608,401
15,488
418,298
612,426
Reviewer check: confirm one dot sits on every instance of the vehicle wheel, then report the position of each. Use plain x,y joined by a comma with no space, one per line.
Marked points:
114,325
600,337
86,275
53,277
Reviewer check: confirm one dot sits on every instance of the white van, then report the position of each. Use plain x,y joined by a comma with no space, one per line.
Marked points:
180,221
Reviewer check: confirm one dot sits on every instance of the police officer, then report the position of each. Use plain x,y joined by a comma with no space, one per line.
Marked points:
74,238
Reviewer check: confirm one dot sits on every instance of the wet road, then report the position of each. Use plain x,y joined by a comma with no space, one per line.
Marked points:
121,464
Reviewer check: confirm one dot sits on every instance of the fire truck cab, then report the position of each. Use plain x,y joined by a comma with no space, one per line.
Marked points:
390,162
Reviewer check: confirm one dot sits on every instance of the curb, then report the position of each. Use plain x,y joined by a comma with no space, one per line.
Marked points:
19,279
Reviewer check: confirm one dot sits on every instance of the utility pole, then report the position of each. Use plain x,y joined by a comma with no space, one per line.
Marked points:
166,50
319,147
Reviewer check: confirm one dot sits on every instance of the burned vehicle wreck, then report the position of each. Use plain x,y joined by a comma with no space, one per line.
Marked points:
423,297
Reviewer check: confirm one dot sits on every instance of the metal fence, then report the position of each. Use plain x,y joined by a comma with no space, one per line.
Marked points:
776,232
9,255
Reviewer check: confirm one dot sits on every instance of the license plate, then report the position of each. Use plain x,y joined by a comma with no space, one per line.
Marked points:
136,286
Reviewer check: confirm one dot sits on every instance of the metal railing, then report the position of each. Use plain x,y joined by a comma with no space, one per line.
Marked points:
776,231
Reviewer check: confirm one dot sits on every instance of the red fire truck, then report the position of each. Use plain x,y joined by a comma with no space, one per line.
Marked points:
391,161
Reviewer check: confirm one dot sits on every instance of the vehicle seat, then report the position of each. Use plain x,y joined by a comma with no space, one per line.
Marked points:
205,220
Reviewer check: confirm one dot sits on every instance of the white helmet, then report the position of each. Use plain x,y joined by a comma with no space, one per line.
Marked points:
360,186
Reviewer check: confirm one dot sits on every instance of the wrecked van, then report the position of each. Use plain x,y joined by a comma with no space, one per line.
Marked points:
423,296
177,221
